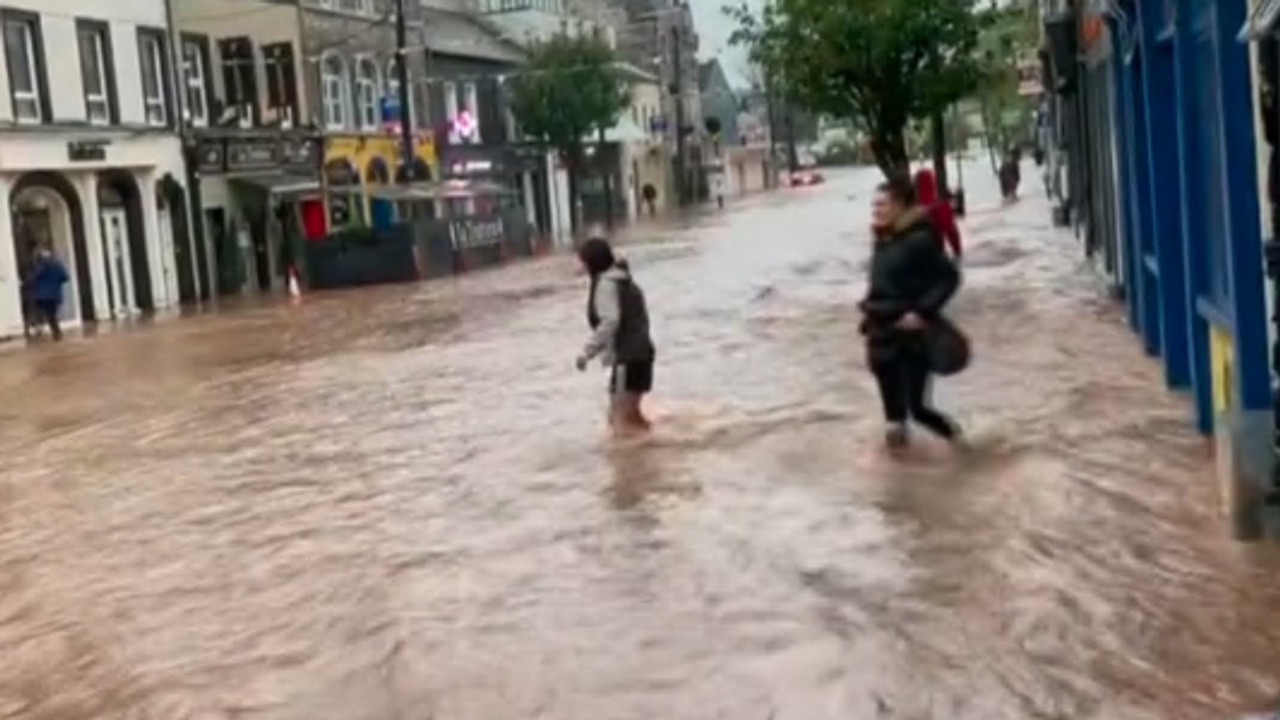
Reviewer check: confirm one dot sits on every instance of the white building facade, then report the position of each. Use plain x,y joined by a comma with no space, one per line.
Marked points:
89,159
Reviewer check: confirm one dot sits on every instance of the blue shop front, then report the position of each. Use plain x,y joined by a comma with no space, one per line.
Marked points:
1167,86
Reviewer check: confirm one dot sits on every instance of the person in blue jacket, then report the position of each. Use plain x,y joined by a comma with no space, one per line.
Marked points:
47,282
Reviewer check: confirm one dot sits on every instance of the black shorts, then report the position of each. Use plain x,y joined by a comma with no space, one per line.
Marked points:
633,377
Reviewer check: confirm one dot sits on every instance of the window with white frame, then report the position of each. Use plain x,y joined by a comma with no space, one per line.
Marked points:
393,85
367,95
195,76
471,105
333,88
93,73
151,57
450,92
23,56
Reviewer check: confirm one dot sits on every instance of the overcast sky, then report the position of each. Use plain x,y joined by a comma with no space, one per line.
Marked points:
713,30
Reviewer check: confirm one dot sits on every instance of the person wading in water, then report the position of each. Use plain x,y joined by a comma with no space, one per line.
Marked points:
911,281
619,320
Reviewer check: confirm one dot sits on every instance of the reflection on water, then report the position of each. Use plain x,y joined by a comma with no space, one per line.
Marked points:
399,503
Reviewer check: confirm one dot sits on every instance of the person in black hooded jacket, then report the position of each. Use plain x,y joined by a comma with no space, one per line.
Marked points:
619,319
911,281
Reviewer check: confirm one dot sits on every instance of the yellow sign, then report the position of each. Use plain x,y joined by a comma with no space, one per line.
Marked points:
1222,362
374,156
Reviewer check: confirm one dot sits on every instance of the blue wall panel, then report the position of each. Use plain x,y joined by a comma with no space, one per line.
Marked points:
1159,95
1192,187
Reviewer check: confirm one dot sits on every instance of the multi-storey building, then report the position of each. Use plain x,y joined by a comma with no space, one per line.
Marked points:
252,149
660,37
623,160
92,168
353,79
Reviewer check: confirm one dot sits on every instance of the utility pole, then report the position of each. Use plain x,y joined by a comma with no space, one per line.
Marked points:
677,89
605,176
406,112
793,158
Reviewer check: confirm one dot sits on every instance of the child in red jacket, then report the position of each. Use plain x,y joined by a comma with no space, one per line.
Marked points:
940,212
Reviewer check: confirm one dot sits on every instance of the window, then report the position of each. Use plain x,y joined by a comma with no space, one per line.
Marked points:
362,7
94,73
333,82
367,95
195,76
22,51
151,57
239,79
450,92
393,82
282,79
471,105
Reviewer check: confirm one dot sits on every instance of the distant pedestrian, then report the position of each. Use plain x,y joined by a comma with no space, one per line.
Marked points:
911,281
940,211
619,318
650,198
1011,175
47,280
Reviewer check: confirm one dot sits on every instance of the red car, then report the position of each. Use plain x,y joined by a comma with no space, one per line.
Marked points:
806,178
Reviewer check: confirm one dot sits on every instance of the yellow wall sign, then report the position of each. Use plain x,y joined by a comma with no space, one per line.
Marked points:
1222,362
370,155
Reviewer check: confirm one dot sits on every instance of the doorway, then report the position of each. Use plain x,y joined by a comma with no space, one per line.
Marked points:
119,271
46,209
176,232
120,209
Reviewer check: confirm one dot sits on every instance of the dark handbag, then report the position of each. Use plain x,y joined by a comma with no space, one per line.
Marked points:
947,347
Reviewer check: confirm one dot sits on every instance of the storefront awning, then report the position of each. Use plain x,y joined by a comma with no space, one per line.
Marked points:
279,183
451,190
625,131
1261,21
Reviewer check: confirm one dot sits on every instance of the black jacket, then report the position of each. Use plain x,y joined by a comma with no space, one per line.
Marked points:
910,273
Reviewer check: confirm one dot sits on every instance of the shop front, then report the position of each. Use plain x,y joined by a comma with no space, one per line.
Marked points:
259,197
524,170
358,166
112,207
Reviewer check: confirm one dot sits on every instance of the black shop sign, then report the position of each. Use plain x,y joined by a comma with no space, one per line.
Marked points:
87,150
245,155
468,234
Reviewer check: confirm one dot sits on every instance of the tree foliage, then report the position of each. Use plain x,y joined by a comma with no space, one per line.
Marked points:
879,63
571,90
1008,35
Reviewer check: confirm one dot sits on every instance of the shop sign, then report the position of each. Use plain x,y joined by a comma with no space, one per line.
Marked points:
252,154
474,233
87,150
340,173
210,156
299,152
471,167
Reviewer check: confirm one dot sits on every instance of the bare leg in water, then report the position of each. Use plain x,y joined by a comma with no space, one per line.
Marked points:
626,416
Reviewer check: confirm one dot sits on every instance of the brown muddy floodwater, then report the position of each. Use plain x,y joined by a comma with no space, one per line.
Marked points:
399,504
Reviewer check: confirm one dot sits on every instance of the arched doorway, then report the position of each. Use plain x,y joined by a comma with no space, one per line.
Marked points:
124,239
171,199
46,212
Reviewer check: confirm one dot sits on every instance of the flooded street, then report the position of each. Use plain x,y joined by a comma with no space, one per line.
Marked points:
400,504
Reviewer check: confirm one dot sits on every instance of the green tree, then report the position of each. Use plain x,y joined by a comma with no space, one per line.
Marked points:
1008,37
571,91
879,63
